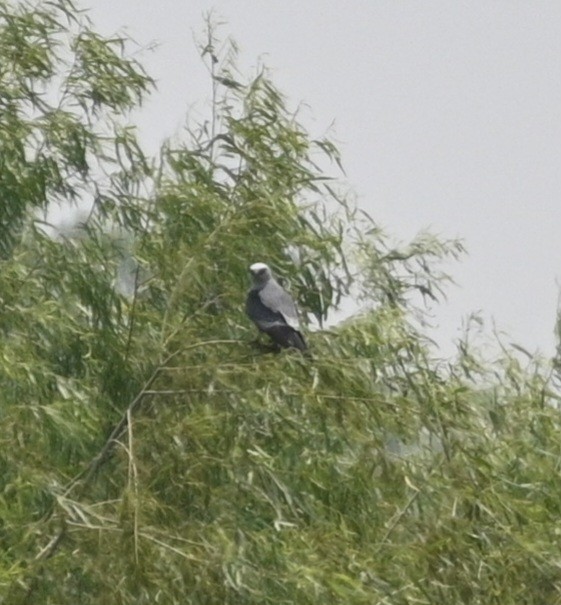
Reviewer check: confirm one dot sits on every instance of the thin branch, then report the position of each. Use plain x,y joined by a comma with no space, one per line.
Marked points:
407,506
132,314
51,547
399,517
133,478
117,431
140,535
87,474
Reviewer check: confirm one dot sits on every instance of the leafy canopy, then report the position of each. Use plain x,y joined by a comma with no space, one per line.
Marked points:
151,451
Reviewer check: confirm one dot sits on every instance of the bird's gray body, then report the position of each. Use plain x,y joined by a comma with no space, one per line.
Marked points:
272,309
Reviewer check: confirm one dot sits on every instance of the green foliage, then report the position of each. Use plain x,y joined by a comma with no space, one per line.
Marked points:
60,86
151,451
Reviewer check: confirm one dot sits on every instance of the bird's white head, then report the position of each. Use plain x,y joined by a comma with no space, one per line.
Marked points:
261,273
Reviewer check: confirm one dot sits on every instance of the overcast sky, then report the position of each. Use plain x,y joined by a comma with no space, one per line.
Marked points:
448,115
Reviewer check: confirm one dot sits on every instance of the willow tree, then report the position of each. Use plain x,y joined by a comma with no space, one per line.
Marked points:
157,266
152,451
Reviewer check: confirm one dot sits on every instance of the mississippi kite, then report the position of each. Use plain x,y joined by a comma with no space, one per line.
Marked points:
272,309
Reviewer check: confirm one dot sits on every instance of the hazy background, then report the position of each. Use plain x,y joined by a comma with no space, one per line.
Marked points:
448,115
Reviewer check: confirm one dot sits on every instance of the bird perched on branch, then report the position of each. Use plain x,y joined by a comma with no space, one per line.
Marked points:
272,309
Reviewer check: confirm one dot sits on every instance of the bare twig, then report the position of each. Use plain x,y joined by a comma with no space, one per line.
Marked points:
133,478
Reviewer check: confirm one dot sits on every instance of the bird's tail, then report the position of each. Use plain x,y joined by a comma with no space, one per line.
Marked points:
296,341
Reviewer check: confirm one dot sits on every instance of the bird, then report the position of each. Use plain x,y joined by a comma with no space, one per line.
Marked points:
272,309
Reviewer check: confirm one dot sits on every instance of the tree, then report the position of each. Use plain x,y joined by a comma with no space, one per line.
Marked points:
153,453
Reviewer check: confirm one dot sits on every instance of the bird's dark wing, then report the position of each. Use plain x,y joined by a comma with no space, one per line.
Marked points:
286,337
261,314
273,322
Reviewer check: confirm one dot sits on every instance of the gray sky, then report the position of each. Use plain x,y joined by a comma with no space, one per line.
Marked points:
448,115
